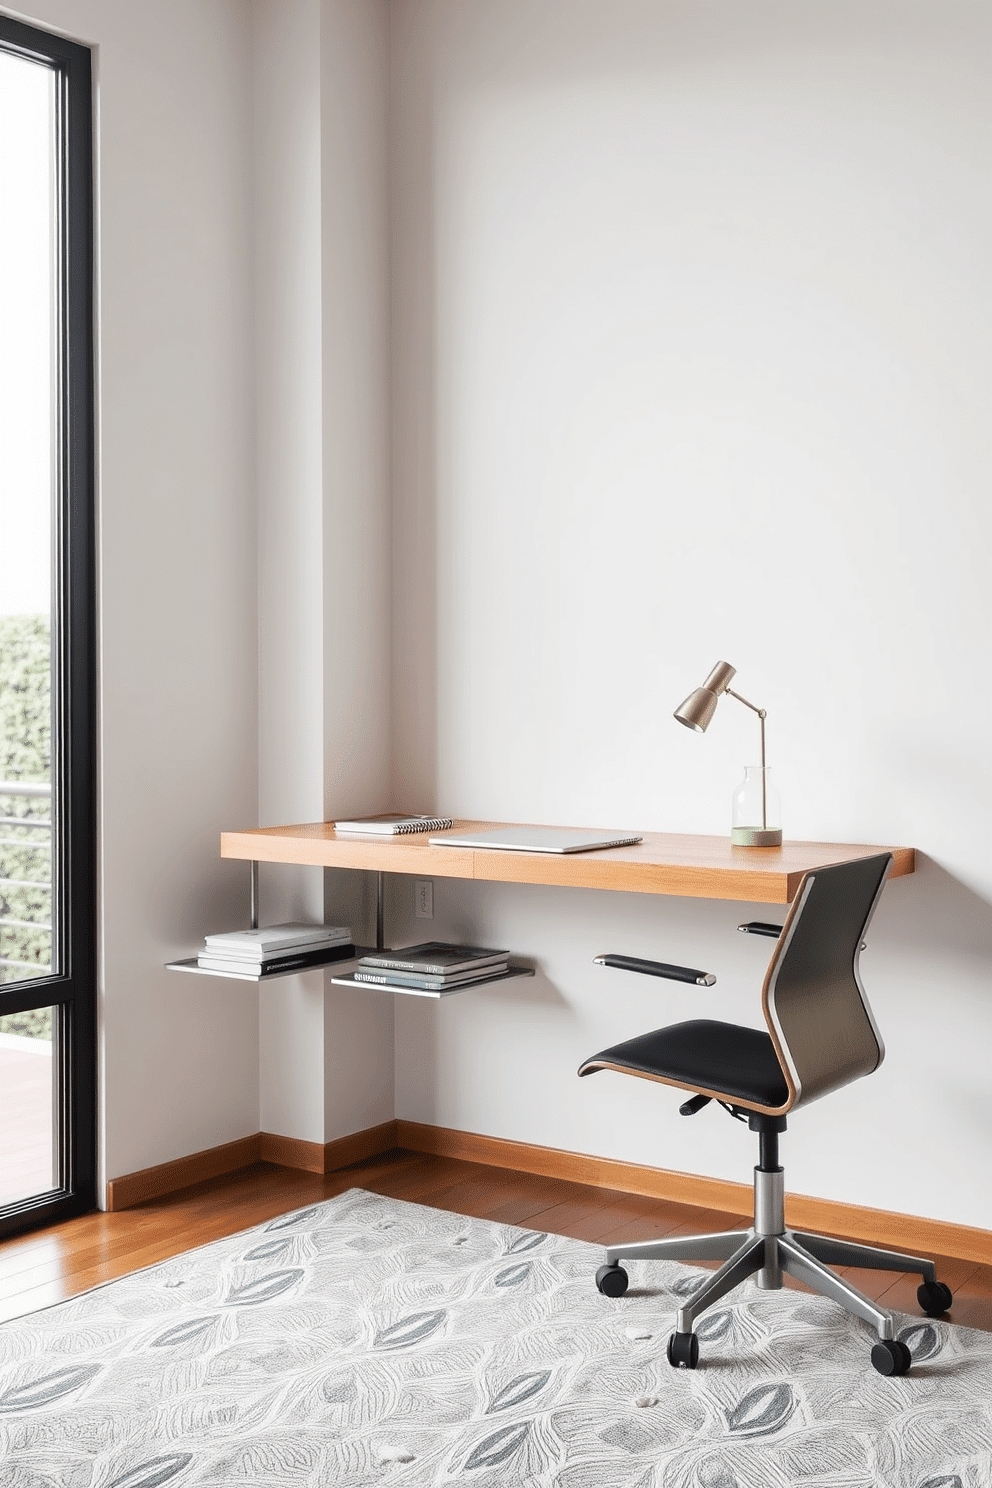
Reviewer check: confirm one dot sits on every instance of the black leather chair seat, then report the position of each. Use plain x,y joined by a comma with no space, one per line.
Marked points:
739,1063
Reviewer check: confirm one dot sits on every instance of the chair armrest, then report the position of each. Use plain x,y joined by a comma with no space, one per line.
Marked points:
658,969
759,927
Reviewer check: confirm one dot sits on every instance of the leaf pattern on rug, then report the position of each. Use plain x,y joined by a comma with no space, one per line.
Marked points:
529,1240
269,1250
518,1390
924,1341
191,1330
368,1341
762,1411
410,1330
512,1276
154,1473
713,1326
291,1221
497,1449
263,1288
47,1389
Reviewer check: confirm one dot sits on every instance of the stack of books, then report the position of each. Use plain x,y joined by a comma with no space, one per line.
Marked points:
435,966
275,949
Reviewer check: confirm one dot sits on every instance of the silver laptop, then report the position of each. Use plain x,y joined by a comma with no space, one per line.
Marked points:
537,839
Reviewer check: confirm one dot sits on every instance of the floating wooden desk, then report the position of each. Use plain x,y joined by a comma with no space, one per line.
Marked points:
664,863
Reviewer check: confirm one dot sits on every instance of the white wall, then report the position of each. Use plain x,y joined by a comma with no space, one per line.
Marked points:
692,360
177,586
286,221
321,398
354,53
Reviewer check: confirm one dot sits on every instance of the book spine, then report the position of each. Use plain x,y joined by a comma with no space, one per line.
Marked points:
421,968
273,964
255,953
415,979
424,984
404,968
302,963
262,958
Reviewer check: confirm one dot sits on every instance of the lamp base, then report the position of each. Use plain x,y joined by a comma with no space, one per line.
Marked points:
756,837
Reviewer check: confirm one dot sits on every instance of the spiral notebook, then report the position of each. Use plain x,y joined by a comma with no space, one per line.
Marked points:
394,826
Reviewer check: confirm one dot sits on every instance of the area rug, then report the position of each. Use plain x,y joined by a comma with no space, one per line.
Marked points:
370,1341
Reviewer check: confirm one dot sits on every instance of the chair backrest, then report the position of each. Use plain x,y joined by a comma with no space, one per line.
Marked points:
814,1004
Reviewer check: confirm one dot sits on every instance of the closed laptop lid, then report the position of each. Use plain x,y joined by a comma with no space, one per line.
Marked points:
537,839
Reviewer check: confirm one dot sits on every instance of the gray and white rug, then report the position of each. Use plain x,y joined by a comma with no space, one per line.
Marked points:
370,1341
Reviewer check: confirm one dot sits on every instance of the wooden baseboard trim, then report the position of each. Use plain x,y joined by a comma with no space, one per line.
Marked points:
291,1152
215,1162
152,1183
327,1157
873,1226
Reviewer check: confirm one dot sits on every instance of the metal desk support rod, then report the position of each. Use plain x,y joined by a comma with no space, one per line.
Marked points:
379,904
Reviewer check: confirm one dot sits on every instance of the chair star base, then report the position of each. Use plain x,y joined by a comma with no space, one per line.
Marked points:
769,1252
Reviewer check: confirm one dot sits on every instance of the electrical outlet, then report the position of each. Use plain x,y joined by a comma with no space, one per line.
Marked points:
425,898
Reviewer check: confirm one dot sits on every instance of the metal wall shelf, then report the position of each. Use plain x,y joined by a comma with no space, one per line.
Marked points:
189,965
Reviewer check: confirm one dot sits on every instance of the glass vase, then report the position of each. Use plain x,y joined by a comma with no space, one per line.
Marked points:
757,812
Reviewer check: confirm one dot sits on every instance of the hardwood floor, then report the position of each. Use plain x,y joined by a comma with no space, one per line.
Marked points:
37,1270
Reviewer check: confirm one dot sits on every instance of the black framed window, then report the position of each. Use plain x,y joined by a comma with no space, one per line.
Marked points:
47,632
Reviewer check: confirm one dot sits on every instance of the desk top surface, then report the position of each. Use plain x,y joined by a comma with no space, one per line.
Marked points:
663,863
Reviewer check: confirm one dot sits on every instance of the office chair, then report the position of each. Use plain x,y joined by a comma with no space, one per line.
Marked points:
821,1036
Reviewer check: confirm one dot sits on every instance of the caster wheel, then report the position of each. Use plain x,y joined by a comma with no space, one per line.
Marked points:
891,1357
683,1351
611,1281
934,1297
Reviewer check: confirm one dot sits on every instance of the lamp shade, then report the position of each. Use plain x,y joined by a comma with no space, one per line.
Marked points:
698,709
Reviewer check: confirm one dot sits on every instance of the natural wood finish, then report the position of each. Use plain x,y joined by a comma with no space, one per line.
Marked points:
49,1265
292,1152
664,863
151,1183
289,1152
575,1167
314,1157
694,1193
905,1232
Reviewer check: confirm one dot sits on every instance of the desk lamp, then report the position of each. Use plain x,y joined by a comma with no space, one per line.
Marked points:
756,800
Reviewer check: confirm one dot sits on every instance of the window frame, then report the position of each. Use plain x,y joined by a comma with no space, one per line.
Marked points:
71,990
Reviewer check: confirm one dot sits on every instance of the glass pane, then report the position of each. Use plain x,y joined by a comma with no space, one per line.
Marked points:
28,1158
27,482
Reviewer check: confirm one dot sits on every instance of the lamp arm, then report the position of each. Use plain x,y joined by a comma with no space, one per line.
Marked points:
753,706
761,715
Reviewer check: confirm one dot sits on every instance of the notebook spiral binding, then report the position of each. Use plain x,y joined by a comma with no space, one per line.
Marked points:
425,824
